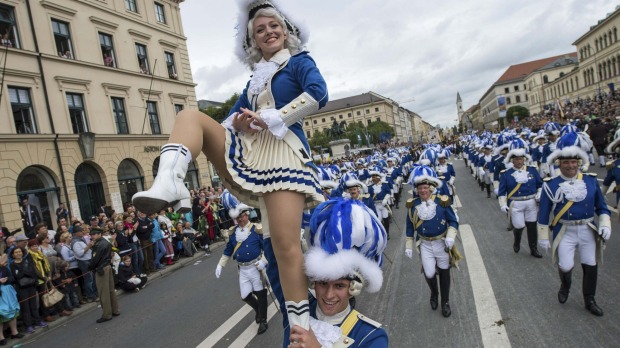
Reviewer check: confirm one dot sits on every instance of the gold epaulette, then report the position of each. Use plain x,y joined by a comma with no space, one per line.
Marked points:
609,165
450,163
591,174
409,203
259,228
547,179
444,201
502,171
365,319
365,195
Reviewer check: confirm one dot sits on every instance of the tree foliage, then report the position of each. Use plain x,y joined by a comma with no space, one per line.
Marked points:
220,113
517,110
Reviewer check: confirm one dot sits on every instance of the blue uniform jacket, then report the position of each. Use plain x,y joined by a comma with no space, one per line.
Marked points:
379,195
250,249
613,175
498,167
447,172
298,76
365,334
362,174
507,183
444,218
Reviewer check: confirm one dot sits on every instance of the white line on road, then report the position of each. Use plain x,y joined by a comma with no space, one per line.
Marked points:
226,327
244,339
457,202
493,334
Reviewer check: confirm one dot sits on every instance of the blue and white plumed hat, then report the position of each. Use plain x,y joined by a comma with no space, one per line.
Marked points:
247,11
325,179
360,161
613,147
569,128
428,157
444,154
232,205
349,180
570,145
503,142
347,241
517,148
376,170
540,135
552,128
424,174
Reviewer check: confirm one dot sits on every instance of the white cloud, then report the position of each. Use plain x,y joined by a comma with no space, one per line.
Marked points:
401,49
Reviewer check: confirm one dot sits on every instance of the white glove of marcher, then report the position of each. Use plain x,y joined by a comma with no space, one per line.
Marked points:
504,209
409,253
260,265
496,191
218,271
544,244
604,232
449,243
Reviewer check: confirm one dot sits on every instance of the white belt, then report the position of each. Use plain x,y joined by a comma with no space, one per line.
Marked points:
576,222
523,198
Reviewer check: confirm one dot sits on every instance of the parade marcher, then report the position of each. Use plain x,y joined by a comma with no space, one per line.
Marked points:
537,152
380,193
487,164
613,170
566,219
355,189
245,245
362,172
503,145
552,129
446,169
260,151
339,270
395,174
432,226
519,189
101,265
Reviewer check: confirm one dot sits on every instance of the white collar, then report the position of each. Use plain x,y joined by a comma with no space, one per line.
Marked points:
280,57
335,319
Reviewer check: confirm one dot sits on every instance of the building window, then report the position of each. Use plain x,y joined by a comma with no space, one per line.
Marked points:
518,99
172,69
378,119
349,114
131,5
160,14
8,27
367,111
369,121
23,115
376,109
307,134
506,90
508,101
545,79
340,117
359,113
314,121
307,124
107,50
62,36
120,117
143,59
516,88
76,113
153,117
178,108
323,120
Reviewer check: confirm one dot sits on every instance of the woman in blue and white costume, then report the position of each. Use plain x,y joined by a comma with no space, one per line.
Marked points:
261,152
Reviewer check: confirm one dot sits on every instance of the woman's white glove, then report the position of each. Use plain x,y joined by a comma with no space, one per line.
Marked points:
504,209
409,253
449,242
544,244
218,271
260,265
604,232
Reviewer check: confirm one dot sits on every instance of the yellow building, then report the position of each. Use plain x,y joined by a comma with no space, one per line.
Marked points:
90,92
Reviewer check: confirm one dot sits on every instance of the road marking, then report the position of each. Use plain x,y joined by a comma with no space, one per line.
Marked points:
493,334
244,339
457,202
226,327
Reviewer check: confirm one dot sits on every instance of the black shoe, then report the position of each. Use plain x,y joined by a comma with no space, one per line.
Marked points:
103,320
516,247
445,309
116,314
3,342
434,301
566,281
262,327
19,335
536,253
593,307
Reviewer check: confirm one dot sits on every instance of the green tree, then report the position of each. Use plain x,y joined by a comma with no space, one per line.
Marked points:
375,129
319,139
220,113
517,110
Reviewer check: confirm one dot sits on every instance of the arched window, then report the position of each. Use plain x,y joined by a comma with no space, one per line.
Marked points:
191,178
130,180
605,40
615,34
37,188
89,190
545,79
576,82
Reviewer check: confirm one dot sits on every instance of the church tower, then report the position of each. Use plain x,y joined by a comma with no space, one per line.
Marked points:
459,106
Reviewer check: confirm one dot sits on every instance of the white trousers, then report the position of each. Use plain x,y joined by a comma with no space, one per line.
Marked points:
579,237
488,177
433,254
522,211
249,280
382,211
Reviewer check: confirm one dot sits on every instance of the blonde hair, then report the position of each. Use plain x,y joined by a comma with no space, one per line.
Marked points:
292,42
64,236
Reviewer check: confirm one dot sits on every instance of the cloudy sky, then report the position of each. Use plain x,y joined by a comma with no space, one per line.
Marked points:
401,49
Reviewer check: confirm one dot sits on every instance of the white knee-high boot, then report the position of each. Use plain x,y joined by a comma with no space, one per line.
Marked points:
168,188
601,160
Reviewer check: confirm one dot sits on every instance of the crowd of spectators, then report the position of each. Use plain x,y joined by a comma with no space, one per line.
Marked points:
61,258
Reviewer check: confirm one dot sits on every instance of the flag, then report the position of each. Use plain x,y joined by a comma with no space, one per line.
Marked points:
560,108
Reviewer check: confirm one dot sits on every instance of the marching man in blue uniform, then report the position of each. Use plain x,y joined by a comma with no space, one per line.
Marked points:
446,169
519,189
487,165
566,219
345,258
245,245
380,192
432,225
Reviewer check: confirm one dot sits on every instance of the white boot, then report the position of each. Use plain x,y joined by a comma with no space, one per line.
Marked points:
601,160
298,313
591,158
168,188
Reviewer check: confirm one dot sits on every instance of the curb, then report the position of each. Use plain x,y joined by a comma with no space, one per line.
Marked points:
61,321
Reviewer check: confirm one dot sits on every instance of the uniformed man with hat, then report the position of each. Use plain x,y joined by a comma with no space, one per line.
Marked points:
245,245
566,220
101,265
